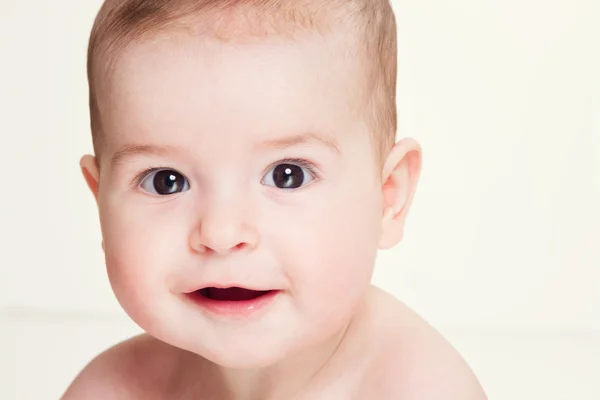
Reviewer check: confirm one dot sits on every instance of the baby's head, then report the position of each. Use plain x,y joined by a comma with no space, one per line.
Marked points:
360,35
247,144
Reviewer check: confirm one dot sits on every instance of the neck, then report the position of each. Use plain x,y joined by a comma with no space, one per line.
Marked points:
309,370
285,380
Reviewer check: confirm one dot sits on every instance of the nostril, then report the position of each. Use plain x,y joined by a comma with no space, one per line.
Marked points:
240,246
206,249
218,234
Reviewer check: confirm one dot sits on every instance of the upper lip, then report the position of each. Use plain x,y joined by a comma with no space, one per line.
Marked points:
230,285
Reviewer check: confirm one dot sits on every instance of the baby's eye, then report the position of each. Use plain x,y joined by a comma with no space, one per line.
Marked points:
164,182
288,176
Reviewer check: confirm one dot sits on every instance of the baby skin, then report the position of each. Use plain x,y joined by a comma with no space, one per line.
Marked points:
242,201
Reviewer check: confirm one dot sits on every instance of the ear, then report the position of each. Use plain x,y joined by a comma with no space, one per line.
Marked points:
401,172
91,173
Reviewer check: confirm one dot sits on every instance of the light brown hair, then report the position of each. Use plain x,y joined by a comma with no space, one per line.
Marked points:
122,22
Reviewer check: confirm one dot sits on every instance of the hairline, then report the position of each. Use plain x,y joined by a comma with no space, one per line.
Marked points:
104,57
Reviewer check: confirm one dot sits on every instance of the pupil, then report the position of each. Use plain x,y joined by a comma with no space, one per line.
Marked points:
288,176
168,182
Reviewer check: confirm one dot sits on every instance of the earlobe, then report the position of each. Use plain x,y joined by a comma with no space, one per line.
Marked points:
91,173
400,176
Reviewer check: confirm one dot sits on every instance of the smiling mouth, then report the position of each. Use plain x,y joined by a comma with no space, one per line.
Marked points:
230,294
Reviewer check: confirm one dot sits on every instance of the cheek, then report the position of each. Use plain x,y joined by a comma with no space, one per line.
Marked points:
139,258
335,256
345,250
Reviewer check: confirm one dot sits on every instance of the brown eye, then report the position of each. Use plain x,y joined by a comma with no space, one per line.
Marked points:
288,176
165,182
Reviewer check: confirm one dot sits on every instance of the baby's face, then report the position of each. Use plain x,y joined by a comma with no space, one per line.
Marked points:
241,165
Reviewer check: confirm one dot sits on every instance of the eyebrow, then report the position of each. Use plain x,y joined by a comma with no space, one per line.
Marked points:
303,138
137,150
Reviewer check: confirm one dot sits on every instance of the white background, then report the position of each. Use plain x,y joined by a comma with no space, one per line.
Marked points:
502,248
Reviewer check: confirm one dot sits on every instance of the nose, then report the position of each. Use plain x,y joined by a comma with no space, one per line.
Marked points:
222,229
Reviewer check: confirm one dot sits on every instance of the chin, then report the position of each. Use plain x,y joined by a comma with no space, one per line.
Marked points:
248,360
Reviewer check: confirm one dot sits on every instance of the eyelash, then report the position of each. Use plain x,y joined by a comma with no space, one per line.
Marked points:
309,166
137,181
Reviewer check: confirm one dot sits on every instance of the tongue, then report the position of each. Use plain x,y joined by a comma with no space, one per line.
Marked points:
232,294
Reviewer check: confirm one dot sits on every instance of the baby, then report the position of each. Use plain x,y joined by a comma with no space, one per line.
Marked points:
246,174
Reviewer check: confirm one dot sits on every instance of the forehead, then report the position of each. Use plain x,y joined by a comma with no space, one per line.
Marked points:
187,85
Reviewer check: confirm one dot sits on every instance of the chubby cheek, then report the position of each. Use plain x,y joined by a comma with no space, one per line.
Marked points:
137,261
335,256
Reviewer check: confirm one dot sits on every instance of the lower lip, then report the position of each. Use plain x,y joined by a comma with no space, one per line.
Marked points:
238,309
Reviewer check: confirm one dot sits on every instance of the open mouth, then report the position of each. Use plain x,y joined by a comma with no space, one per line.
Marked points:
236,302
230,294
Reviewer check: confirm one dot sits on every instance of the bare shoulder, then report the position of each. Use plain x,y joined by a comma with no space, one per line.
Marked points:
413,360
133,369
